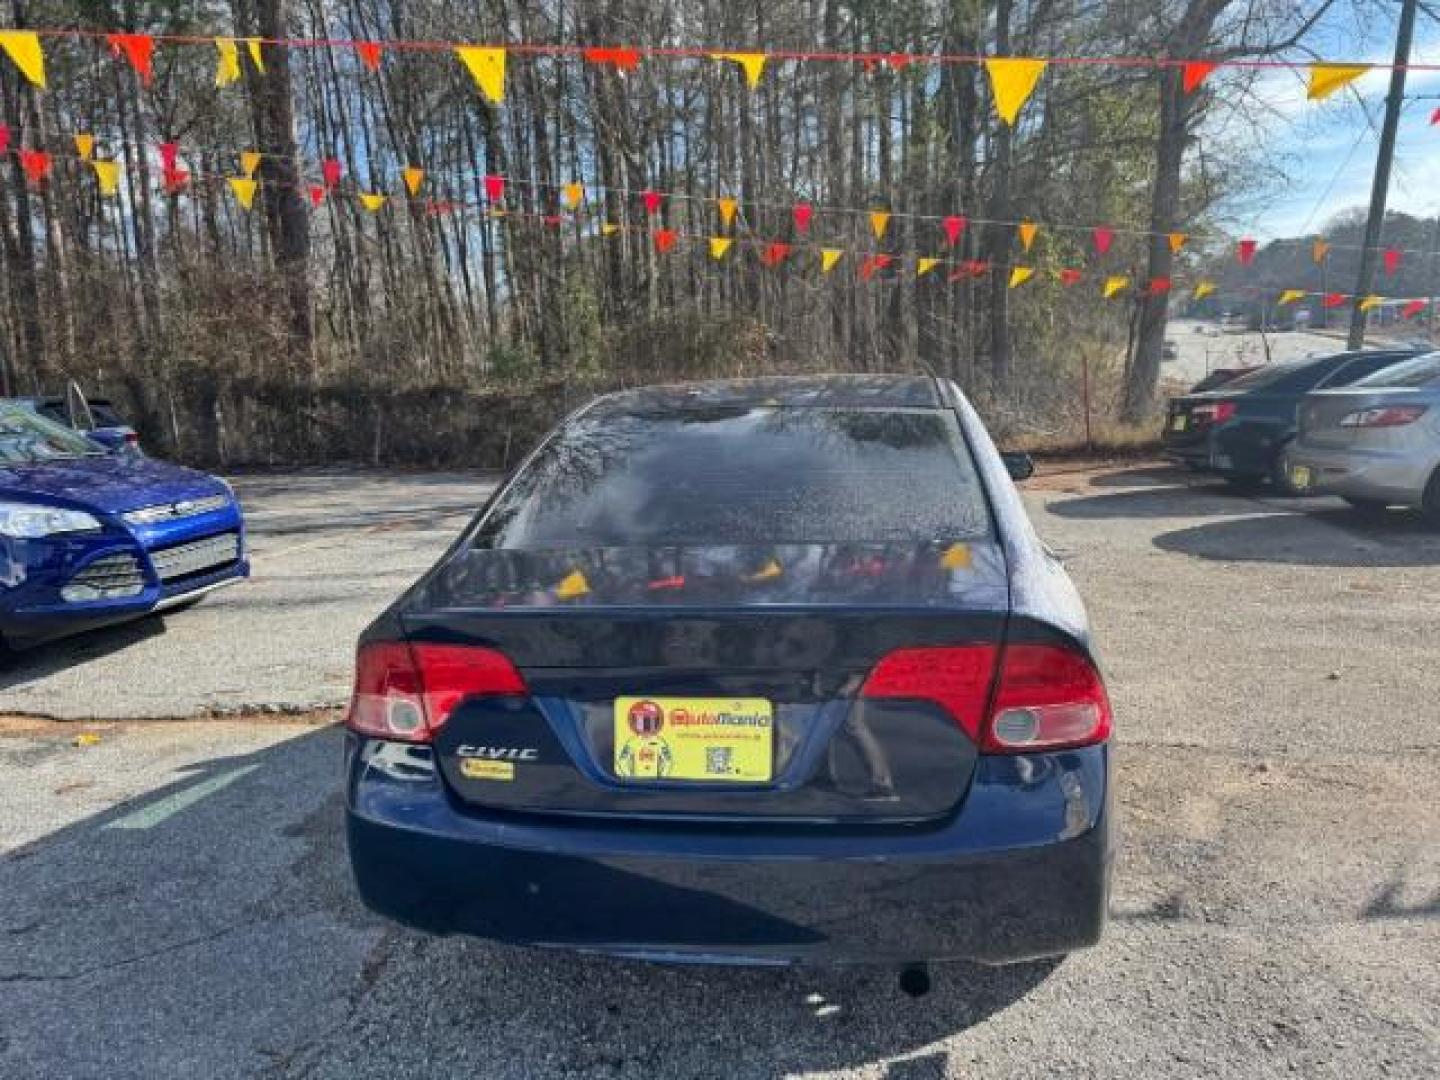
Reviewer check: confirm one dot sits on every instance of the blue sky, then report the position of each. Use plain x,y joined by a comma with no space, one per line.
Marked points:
1314,159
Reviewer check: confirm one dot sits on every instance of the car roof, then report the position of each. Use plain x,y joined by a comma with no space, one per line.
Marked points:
778,391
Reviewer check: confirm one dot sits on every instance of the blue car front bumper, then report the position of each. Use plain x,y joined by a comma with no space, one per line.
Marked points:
34,573
1020,871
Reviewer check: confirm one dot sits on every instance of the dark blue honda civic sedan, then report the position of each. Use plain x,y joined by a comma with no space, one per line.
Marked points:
89,537
763,671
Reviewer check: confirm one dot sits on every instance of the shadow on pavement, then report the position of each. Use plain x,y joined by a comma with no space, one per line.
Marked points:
168,931
22,668
1336,538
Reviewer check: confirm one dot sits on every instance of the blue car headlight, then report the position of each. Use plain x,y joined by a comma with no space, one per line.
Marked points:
28,521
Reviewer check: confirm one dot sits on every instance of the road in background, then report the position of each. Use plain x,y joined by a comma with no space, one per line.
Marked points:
177,901
1202,347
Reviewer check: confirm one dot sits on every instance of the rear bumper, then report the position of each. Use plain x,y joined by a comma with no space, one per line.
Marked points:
1021,871
1383,475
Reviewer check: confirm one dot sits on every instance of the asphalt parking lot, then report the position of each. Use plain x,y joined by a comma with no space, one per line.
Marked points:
177,900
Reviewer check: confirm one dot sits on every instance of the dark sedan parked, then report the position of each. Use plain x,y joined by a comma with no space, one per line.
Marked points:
1242,429
767,671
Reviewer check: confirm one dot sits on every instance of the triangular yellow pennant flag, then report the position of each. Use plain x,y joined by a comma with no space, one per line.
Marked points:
769,572
1204,289
1028,229
879,222
414,177
107,174
924,266
609,228
1020,275
719,245
956,557
23,48
84,145
227,71
753,63
1289,296
1012,82
1115,285
249,161
572,585
727,210
371,201
1369,302
252,45
487,68
1325,79
244,189
828,258
1177,241
571,195
1319,250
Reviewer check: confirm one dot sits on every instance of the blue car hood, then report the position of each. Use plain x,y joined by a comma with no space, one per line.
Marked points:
110,484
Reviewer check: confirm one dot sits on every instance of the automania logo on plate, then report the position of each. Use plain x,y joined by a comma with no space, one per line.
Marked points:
723,718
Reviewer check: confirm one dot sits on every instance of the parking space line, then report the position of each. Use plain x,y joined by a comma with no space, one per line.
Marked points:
149,816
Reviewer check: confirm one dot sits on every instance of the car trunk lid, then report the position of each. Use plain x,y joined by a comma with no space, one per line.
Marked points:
718,683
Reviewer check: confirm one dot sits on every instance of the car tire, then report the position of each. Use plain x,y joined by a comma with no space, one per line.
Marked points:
1430,502
1279,475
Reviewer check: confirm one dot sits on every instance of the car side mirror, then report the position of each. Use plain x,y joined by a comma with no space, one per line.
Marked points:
1019,465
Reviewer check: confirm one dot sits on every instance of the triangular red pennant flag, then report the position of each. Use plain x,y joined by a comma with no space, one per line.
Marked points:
1196,72
1158,286
954,227
369,53
875,263
620,59
438,207
1103,238
1413,308
803,213
651,199
494,188
169,155
665,240
4,138
317,194
330,171
36,164
175,180
1246,252
1435,117
977,267
775,254
139,49
1069,277
1392,260
1333,300
552,220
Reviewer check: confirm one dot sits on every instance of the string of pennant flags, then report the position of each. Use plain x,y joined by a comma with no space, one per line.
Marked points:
772,253
572,197
1013,79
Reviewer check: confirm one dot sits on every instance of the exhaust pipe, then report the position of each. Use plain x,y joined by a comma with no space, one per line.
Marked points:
915,980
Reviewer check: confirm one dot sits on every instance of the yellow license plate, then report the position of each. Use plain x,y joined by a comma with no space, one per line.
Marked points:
1300,476
1178,423
726,740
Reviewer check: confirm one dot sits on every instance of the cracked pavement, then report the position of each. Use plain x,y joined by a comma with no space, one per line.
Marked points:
1276,908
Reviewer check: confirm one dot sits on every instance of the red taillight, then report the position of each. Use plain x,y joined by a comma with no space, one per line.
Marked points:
132,439
409,691
1214,413
1045,697
1394,416
957,678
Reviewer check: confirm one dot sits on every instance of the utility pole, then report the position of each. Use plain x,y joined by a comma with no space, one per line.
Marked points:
1380,190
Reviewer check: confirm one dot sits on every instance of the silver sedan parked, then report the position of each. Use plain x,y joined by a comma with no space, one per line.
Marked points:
1375,443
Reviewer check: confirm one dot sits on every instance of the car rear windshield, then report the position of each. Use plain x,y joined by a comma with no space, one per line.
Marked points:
744,476
1422,371
1269,375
